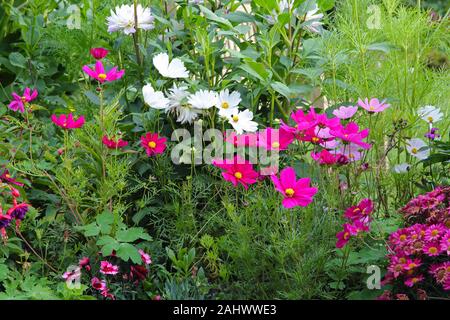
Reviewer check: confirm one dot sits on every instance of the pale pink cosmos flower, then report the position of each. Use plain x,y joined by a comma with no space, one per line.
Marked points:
374,105
18,104
351,151
108,268
345,112
101,75
275,139
295,192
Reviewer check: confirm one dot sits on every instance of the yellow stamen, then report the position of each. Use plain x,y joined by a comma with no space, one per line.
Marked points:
315,139
275,145
238,175
102,76
433,250
24,99
430,119
402,237
289,192
225,105
414,150
371,108
7,176
235,118
152,144
346,235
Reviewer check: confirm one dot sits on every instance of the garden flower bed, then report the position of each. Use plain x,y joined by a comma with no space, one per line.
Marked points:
224,150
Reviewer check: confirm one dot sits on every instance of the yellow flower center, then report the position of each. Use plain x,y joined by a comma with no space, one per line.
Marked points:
351,156
371,108
434,233
346,235
152,144
289,192
412,265
315,139
430,119
7,176
414,150
402,260
24,99
433,250
402,237
235,118
238,175
102,76
275,145
225,105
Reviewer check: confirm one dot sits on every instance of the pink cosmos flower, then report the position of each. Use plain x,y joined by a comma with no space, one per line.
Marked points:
295,192
67,121
343,237
275,139
98,284
345,112
99,53
242,140
112,143
374,105
324,157
101,75
146,259
108,268
237,171
411,281
351,134
153,143
361,212
19,101
432,249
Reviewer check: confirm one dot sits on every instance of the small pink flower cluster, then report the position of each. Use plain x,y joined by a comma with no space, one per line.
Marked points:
17,210
137,273
420,252
359,217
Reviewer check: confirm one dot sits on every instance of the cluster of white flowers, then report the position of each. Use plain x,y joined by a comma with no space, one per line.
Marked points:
417,147
123,19
307,12
188,106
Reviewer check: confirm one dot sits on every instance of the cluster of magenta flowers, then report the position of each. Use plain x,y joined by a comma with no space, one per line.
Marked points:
419,253
335,140
17,210
359,218
109,272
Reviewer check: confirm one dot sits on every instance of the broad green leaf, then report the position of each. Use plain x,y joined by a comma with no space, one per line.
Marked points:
132,234
17,60
127,251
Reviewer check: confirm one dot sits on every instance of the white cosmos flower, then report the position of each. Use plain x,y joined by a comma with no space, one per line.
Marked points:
174,69
402,168
430,114
242,121
313,20
203,99
155,99
417,148
123,19
227,103
177,96
187,114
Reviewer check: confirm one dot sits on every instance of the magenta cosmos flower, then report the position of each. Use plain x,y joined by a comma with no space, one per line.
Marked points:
112,143
237,171
324,157
101,75
351,134
67,121
99,53
295,192
242,140
153,144
345,112
108,268
275,139
19,101
374,105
